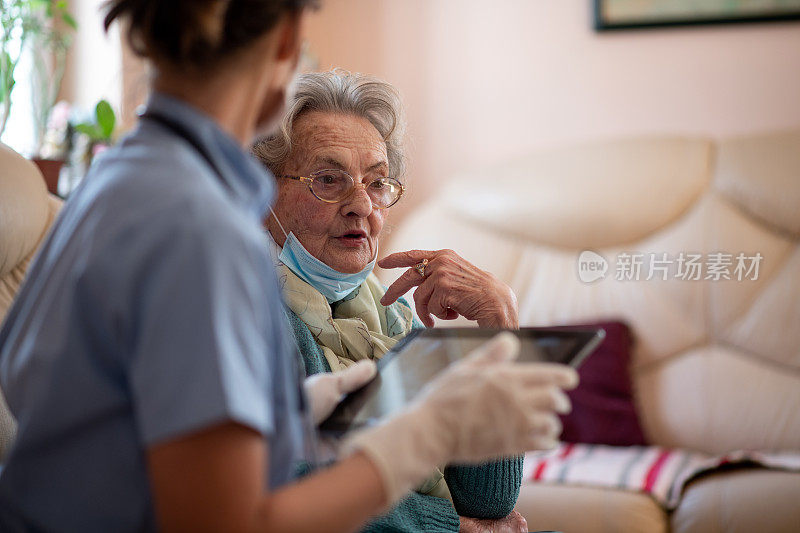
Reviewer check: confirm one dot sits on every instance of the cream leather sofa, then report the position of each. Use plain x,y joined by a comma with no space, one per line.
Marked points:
716,365
26,213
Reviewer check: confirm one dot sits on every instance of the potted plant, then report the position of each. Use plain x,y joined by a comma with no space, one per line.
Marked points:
87,140
43,28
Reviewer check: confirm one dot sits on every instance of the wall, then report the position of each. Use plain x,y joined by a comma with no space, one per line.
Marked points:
101,66
484,81
94,63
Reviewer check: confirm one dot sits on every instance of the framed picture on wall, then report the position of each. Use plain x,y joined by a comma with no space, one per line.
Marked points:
628,14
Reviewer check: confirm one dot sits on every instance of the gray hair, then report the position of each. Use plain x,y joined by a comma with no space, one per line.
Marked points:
339,91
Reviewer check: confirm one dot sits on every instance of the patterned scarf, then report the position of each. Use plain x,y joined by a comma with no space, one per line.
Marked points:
357,327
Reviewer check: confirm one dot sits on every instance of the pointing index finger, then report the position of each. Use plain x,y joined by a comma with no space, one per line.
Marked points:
405,259
401,285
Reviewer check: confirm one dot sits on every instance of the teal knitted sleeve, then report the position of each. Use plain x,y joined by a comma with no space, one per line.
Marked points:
487,490
417,512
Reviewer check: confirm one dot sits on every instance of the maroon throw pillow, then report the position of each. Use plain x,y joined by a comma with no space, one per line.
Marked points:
603,410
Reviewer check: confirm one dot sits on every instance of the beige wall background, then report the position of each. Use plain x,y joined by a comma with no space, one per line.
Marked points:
484,81
94,62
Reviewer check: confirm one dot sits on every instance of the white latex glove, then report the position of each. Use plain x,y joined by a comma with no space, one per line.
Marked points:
324,391
483,407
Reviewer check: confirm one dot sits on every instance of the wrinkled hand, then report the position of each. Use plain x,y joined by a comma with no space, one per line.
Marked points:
452,286
324,391
513,523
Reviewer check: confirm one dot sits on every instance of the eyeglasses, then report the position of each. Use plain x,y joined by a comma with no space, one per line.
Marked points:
333,185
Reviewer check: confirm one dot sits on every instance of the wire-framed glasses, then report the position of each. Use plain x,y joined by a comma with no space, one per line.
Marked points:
334,185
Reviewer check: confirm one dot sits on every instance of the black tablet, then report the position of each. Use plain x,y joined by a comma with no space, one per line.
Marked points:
423,353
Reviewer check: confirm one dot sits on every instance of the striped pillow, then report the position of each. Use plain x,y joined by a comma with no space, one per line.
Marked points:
660,472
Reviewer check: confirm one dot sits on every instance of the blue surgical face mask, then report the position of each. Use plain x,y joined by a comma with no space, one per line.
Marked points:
334,285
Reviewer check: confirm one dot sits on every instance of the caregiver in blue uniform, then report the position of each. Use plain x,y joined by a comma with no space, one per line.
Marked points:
146,357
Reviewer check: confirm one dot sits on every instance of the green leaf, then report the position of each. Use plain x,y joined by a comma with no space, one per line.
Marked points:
6,75
69,20
40,4
89,129
105,118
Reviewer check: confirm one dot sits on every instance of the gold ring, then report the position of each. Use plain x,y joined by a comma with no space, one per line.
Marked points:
420,267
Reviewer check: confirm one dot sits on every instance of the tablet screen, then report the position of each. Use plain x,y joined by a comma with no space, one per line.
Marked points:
413,362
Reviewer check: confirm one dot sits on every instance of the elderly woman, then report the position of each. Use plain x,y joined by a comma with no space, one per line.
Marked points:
338,158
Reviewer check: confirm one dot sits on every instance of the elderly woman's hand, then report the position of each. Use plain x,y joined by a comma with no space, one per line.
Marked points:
513,523
451,286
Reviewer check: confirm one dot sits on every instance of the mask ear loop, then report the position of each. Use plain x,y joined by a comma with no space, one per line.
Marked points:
279,222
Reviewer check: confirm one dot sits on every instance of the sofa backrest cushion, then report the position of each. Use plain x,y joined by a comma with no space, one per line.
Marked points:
592,195
23,208
716,366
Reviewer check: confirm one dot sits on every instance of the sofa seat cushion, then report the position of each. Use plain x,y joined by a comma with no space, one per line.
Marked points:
739,501
570,508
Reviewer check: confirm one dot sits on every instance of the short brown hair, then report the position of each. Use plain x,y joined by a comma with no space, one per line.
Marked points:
196,33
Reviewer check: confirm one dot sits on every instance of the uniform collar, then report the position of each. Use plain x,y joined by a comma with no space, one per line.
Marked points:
247,181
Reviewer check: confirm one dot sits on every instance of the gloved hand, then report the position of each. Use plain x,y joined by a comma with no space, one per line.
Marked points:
482,407
324,391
